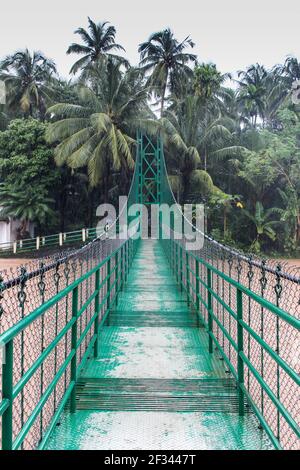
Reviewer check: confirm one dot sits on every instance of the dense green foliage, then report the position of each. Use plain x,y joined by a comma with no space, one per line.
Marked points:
231,141
27,78
28,172
164,59
98,42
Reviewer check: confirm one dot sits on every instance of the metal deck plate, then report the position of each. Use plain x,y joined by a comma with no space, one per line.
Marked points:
154,363
157,430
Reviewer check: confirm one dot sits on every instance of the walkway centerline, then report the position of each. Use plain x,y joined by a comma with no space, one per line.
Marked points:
154,384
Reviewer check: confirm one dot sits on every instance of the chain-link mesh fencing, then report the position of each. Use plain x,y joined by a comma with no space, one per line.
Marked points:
267,333
271,343
36,395
264,333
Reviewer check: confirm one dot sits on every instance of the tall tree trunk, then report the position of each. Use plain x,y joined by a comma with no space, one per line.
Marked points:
91,208
205,159
225,221
163,94
255,119
23,228
106,183
62,210
185,181
298,229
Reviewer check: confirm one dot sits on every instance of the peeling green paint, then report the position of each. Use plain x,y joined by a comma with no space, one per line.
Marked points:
159,351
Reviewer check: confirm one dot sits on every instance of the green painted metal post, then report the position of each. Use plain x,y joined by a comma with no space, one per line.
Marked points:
128,259
74,348
108,285
174,258
181,268
122,268
240,343
128,255
125,261
176,262
117,277
197,285
97,303
131,252
7,393
160,229
209,304
187,276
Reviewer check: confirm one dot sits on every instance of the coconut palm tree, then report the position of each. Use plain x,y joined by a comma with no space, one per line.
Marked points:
23,202
225,202
208,81
98,42
291,214
98,132
288,76
163,57
276,93
27,78
290,70
205,130
195,140
251,93
3,118
263,221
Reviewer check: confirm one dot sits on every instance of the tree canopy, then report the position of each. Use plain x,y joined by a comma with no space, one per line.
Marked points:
231,141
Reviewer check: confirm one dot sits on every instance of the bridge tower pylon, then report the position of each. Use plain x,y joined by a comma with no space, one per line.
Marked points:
149,169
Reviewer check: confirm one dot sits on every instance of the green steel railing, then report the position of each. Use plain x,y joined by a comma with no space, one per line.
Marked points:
199,279
47,241
51,314
53,369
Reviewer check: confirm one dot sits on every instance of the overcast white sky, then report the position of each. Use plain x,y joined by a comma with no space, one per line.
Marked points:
230,33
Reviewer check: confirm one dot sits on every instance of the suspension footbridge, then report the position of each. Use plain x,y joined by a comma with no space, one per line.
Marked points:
142,344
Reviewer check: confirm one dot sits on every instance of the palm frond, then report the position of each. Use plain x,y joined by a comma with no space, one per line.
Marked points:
229,152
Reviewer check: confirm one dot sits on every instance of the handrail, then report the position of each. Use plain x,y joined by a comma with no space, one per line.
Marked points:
262,301
62,238
15,329
241,255
60,259
40,241
190,278
83,334
80,337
